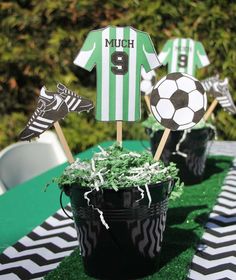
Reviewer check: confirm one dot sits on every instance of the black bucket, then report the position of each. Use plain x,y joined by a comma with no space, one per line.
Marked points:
130,248
194,146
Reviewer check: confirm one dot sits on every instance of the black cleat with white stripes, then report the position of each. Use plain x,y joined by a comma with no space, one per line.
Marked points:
219,89
74,102
50,108
224,96
209,82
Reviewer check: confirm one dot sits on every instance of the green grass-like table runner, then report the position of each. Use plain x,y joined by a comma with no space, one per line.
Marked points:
185,225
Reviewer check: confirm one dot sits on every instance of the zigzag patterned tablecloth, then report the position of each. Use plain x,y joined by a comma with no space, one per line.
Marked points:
41,251
215,256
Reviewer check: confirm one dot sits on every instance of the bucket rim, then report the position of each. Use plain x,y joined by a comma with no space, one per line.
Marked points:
179,131
153,185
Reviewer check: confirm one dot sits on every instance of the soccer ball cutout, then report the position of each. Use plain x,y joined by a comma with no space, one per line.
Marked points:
178,101
148,80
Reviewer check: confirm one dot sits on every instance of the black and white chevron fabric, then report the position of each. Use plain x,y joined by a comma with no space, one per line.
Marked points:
215,256
40,251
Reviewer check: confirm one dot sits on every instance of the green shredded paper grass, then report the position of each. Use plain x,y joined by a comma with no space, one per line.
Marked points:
118,168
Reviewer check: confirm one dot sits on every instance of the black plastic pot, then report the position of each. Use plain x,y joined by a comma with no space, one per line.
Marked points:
194,146
130,248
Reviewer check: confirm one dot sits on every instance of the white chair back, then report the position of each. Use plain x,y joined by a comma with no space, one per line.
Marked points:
23,160
51,138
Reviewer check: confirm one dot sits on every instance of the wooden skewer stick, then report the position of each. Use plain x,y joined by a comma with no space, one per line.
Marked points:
162,144
64,143
210,109
119,132
147,100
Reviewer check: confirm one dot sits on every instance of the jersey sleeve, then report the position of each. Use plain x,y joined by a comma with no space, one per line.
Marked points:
86,58
201,56
164,55
150,59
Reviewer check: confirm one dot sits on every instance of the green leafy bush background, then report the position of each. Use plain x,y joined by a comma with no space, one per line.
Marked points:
40,39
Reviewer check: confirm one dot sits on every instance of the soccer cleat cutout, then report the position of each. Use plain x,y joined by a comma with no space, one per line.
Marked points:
220,90
74,102
209,82
50,108
223,96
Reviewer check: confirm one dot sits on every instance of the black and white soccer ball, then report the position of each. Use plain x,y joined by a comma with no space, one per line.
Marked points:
148,81
178,101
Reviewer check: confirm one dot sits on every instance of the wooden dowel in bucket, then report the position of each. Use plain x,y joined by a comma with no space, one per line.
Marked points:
147,100
210,109
119,132
63,142
162,144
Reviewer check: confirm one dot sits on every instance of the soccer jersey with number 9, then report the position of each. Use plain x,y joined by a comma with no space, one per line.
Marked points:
118,53
183,55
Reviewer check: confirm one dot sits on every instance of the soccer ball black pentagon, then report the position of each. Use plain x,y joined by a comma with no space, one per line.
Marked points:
148,80
178,101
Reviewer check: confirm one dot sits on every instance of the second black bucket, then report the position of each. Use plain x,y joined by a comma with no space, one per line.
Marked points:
192,167
130,248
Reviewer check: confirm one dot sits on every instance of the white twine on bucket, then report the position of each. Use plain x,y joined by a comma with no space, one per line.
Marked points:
95,208
180,142
141,193
86,196
102,218
148,195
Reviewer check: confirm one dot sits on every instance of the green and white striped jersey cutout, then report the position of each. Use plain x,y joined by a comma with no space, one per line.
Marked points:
183,55
118,53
